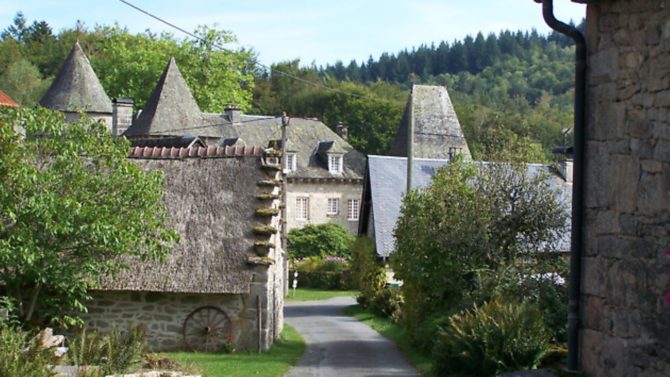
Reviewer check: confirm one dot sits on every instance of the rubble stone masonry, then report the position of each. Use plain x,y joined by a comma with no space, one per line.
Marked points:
625,328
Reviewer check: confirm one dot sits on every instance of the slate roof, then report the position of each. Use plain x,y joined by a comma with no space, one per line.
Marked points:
76,87
436,126
6,100
171,109
172,112
303,139
386,183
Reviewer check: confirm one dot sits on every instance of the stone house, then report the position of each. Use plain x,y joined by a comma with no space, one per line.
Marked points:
625,318
323,172
226,275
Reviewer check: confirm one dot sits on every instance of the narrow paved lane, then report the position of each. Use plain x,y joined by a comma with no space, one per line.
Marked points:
340,346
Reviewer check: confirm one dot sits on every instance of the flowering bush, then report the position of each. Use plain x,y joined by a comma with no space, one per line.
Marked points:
229,346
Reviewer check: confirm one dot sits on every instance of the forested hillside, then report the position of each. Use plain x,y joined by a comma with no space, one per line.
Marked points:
512,91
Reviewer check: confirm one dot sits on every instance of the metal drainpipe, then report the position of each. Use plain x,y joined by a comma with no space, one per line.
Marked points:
576,241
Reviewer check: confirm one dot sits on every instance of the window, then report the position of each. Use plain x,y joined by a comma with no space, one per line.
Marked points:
353,209
453,151
290,163
335,163
333,206
302,208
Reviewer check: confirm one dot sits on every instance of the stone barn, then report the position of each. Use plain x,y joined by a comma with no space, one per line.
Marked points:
224,278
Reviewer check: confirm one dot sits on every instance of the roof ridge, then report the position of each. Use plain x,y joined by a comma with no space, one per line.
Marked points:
173,153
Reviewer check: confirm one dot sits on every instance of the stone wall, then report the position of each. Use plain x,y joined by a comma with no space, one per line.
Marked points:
318,194
163,315
625,329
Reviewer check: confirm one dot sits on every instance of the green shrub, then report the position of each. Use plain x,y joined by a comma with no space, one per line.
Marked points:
319,241
115,352
388,301
331,280
494,338
21,355
368,273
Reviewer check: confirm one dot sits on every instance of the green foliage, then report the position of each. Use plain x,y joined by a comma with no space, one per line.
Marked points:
370,275
324,273
23,82
320,241
21,355
128,65
329,280
372,114
494,338
472,235
114,353
71,204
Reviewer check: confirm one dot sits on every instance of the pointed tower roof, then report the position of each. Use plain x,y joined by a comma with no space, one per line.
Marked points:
76,87
170,108
437,132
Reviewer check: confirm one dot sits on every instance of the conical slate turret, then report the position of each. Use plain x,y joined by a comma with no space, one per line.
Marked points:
76,87
170,109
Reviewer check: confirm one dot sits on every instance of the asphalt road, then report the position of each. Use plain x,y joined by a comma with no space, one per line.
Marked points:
340,346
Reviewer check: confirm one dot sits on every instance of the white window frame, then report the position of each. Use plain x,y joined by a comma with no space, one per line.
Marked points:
302,208
333,207
290,162
353,209
335,163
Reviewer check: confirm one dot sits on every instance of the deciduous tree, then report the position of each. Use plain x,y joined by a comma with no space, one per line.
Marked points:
71,206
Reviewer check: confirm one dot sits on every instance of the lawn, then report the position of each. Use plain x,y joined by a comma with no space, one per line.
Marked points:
309,294
284,353
392,331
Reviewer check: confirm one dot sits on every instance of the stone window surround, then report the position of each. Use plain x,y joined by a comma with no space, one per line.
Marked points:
353,209
333,208
302,208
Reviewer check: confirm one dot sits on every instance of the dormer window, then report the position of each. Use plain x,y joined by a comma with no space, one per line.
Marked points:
290,163
335,163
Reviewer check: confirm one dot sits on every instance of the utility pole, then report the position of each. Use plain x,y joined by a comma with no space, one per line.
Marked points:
410,140
285,120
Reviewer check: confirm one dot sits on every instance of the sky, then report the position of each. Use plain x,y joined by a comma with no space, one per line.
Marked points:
314,31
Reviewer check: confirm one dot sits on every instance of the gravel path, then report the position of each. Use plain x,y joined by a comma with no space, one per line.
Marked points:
338,345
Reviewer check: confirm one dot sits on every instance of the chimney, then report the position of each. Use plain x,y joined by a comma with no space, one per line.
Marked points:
122,115
342,130
233,113
565,168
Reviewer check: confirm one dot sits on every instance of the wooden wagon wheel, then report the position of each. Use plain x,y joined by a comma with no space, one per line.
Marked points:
206,329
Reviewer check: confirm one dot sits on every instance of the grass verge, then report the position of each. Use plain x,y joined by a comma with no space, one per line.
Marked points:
309,294
392,331
285,353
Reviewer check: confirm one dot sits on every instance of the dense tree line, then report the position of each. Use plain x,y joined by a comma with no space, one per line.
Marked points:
512,92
